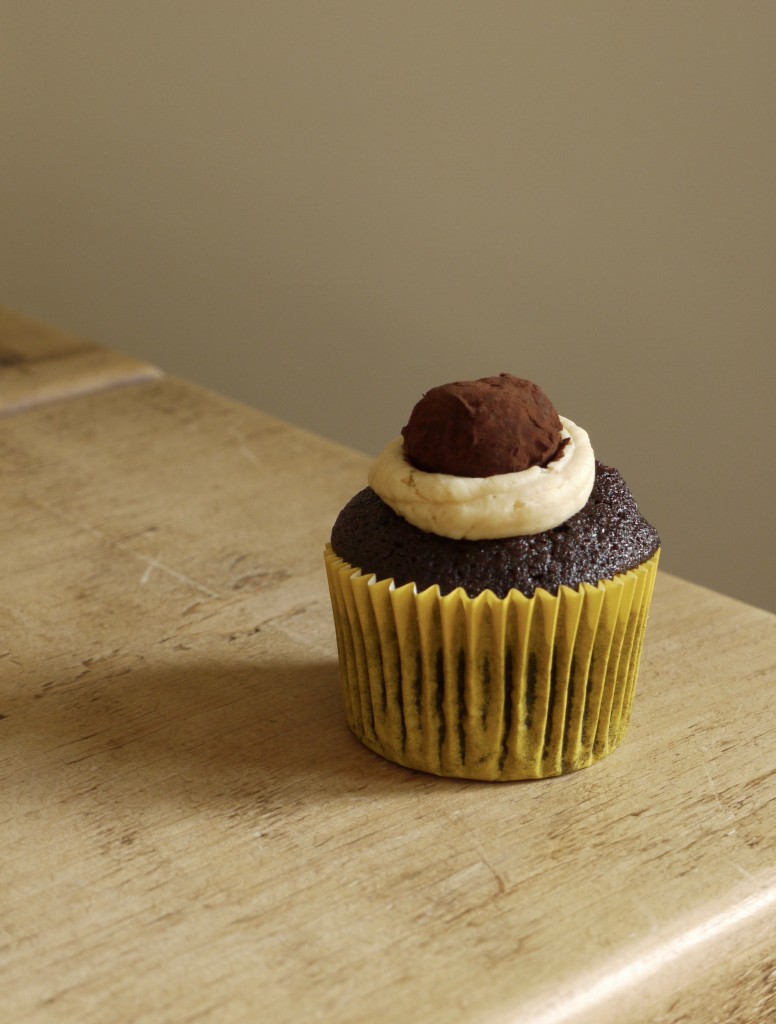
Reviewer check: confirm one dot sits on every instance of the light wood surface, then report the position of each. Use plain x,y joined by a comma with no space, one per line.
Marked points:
189,833
41,364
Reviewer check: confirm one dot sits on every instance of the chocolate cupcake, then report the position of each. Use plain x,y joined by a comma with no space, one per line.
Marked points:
490,590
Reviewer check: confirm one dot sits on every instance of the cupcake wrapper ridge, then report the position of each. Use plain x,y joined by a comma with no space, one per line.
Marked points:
489,688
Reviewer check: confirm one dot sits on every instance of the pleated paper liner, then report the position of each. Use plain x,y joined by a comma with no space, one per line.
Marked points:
489,688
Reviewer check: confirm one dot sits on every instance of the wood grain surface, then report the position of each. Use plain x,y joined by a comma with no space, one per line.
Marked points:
189,833
41,364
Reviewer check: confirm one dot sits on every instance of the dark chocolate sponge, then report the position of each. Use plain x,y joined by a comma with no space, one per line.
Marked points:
606,537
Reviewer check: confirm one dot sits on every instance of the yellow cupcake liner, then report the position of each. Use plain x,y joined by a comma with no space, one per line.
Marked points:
489,688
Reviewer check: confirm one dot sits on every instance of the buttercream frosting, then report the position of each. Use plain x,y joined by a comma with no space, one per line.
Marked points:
513,504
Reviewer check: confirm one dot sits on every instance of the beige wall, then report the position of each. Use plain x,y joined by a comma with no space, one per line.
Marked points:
324,208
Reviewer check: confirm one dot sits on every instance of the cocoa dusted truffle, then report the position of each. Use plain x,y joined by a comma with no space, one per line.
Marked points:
483,427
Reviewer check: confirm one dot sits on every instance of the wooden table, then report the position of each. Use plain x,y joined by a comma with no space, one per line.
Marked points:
189,832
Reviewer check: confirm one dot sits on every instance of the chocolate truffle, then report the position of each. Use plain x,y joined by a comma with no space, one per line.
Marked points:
483,427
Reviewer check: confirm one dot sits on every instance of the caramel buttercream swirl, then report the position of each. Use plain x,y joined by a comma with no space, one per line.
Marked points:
485,508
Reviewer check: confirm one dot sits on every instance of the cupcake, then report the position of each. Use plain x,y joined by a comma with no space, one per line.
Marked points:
490,590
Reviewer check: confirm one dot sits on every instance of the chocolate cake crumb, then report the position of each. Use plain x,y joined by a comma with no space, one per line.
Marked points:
607,537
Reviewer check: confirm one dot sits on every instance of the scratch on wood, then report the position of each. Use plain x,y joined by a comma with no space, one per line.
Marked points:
154,564
713,790
151,564
500,883
243,448
501,886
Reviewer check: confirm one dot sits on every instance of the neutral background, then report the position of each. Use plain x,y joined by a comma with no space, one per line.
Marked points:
325,208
